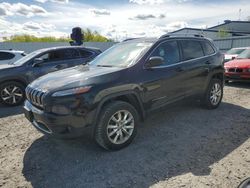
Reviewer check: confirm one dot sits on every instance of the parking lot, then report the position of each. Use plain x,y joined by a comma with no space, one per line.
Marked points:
182,146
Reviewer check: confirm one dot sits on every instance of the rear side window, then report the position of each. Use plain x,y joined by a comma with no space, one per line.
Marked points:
6,56
191,49
70,54
169,51
208,49
85,53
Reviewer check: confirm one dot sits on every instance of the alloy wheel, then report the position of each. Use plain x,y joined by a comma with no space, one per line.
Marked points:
215,95
120,127
12,94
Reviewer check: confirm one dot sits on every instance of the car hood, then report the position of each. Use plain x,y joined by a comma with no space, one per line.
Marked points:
6,66
241,63
73,77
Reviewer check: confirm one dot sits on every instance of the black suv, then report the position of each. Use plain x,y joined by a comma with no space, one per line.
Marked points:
15,76
123,85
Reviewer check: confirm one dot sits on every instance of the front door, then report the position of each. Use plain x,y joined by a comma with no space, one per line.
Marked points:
164,82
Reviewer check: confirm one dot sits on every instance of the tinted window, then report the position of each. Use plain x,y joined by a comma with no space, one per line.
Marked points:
169,51
85,53
71,54
191,49
208,49
60,55
6,56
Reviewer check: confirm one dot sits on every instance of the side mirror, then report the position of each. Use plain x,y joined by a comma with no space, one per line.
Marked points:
37,62
233,58
154,62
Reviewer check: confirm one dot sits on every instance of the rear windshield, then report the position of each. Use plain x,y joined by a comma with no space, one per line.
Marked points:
244,55
234,51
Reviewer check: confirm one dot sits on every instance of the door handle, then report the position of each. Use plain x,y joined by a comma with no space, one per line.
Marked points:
208,62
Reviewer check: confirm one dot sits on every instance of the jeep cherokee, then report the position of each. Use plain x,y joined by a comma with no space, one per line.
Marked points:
123,85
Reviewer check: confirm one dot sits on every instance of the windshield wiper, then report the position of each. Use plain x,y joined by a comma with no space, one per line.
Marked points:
105,66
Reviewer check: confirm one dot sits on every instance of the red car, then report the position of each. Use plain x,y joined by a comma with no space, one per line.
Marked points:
239,68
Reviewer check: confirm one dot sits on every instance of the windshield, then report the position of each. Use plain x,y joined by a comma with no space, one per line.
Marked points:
244,55
234,51
122,54
26,58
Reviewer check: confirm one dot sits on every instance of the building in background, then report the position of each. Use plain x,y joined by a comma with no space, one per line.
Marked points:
227,29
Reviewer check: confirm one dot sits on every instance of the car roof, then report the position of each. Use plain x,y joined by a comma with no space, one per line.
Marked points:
12,51
66,47
153,40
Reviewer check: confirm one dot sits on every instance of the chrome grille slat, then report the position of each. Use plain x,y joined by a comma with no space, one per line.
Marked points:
35,96
235,70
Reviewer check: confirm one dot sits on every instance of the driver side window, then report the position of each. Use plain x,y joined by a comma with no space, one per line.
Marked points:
169,51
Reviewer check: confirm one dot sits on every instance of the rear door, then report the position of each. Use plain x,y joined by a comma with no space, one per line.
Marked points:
194,64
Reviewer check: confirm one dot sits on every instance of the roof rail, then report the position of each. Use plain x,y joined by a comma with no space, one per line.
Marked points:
128,39
180,35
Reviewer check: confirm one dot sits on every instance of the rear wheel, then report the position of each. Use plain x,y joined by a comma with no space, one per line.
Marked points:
214,94
117,125
12,93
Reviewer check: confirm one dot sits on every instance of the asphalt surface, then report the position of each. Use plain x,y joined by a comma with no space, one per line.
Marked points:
183,145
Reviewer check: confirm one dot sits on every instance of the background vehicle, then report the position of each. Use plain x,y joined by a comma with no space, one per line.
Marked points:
14,77
124,84
10,56
239,68
233,53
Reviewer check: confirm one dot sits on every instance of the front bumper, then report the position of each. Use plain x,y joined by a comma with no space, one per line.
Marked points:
60,126
237,76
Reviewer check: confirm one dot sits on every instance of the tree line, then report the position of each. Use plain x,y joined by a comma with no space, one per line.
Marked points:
89,36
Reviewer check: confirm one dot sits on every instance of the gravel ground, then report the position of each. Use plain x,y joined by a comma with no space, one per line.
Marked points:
183,146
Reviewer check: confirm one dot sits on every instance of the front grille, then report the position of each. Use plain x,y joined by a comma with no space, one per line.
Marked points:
35,96
235,70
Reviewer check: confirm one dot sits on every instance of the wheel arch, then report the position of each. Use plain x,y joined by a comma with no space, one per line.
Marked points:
14,80
130,97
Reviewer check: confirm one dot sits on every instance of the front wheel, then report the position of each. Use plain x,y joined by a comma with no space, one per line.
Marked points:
117,125
12,93
214,94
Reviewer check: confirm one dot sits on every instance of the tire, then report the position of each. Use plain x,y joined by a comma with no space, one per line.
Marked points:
213,96
109,131
12,93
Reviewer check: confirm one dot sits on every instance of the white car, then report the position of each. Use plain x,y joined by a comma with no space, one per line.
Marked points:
10,56
233,53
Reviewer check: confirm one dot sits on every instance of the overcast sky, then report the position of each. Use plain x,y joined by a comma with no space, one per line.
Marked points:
115,18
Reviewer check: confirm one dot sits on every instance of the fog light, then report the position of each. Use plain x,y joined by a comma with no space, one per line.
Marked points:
60,109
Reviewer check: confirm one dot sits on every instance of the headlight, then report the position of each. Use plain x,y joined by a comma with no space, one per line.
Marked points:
73,91
246,70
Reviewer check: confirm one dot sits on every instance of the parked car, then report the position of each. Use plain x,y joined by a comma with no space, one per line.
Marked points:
14,77
10,56
239,68
124,85
233,53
